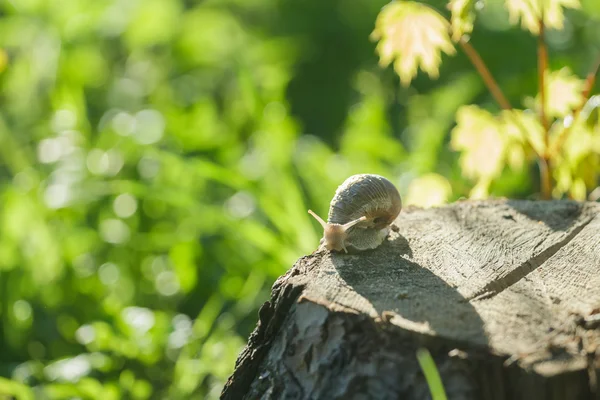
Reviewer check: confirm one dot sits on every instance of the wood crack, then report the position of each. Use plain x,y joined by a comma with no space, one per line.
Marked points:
501,284
340,326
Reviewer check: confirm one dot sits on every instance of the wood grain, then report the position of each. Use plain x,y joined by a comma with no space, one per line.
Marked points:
506,294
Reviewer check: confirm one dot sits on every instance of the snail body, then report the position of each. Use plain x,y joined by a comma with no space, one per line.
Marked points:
360,213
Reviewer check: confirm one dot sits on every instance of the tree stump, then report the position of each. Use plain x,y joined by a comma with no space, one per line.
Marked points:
504,294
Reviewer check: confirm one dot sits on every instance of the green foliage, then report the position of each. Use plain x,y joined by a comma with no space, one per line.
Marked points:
563,93
158,158
529,12
414,36
462,17
434,381
564,147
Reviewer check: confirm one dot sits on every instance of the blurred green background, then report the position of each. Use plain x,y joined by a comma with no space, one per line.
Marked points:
158,157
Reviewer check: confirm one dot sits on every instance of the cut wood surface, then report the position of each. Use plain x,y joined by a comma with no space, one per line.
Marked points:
505,294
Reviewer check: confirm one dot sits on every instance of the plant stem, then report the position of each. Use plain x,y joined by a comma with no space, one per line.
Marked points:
545,178
432,375
487,77
542,65
590,80
545,168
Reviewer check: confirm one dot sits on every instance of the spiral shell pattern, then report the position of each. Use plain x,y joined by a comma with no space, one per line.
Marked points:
369,195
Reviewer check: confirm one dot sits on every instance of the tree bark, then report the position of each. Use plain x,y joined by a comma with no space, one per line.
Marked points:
504,294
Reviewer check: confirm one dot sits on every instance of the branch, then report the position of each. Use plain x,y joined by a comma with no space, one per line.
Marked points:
545,178
545,173
487,77
542,66
590,80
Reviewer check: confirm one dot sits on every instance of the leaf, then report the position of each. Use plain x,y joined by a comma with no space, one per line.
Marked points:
488,143
528,11
579,145
563,179
412,35
462,17
563,93
11,388
479,135
578,190
432,375
591,112
183,255
515,156
524,127
481,190
578,161
154,22
428,190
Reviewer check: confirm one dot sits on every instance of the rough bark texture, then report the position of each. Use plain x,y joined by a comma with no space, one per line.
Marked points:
505,294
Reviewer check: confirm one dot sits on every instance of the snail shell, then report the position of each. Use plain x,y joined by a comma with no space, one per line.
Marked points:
360,213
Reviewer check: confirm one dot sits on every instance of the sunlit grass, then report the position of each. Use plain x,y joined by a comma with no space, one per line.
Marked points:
431,374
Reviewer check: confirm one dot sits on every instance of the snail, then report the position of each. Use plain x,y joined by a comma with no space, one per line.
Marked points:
360,214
